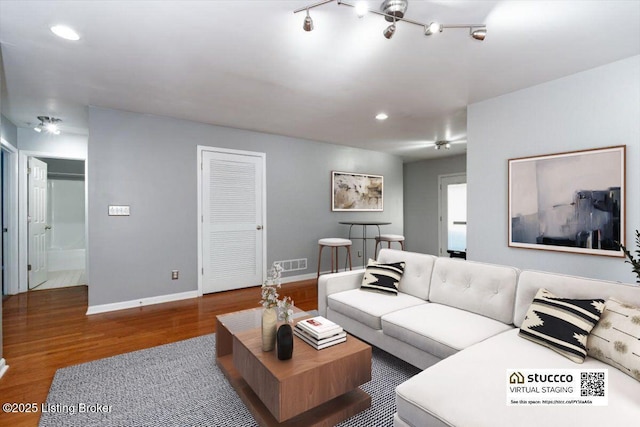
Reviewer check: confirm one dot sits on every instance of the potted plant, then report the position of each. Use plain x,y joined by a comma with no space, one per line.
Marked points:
635,263
270,302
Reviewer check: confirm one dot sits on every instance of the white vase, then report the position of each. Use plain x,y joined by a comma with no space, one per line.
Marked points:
269,323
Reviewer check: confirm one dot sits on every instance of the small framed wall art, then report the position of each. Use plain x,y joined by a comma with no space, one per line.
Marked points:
569,202
356,192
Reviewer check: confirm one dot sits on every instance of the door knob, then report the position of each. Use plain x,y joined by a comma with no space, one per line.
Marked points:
47,227
258,227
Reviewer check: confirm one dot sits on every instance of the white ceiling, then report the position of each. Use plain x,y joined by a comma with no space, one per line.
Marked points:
249,64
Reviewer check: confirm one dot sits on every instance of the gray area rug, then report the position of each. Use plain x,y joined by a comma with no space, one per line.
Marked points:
179,384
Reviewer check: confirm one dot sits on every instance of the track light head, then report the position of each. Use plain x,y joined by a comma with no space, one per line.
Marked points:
390,31
394,9
308,23
432,28
479,34
361,8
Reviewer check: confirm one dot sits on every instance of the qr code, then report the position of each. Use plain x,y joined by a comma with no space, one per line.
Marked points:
592,384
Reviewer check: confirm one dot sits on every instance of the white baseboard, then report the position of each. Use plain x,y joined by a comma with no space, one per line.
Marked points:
103,308
312,275
299,278
3,367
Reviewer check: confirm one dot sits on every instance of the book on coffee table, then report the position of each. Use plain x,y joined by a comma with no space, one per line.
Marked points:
319,327
320,344
319,341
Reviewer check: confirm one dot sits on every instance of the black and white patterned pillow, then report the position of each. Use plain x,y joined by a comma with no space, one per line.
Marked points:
561,324
382,277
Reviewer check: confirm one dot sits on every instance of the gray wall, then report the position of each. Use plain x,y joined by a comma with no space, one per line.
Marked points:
421,200
595,108
9,131
149,162
66,144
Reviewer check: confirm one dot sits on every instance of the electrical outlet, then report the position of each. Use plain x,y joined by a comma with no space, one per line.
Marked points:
174,274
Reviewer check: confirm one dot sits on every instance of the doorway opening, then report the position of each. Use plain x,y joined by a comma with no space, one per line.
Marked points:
56,223
453,215
9,218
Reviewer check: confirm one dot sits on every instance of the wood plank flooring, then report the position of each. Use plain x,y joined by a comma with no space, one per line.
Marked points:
47,330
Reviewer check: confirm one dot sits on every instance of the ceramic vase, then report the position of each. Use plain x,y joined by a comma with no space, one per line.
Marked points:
269,322
285,342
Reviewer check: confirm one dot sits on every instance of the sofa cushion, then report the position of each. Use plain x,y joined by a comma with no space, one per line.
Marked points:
561,324
381,277
569,287
484,289
368,307
417,272
439,329
615,340
468,389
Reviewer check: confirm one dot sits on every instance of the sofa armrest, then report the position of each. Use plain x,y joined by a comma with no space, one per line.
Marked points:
336,282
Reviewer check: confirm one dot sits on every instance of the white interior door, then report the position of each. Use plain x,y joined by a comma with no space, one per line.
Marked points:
37,222
232,220
453,213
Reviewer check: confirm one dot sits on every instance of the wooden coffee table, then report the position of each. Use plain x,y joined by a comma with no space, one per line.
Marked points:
313,388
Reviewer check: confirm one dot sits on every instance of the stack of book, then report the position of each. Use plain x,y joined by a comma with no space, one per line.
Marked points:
319,332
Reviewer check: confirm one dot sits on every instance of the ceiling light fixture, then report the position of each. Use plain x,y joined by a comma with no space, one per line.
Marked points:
308,23
48,124
394,10
65,32
381,116
440,144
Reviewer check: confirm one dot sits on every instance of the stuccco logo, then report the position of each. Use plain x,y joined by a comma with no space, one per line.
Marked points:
518,378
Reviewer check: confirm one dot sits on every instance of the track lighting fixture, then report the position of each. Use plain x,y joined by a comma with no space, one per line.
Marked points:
308,23
48,124
393,11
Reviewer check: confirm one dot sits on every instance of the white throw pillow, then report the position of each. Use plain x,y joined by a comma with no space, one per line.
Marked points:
616,338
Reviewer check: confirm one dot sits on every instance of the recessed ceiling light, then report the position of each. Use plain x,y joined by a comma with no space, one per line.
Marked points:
65,32
382,116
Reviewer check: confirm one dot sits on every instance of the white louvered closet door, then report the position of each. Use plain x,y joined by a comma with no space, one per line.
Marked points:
232,212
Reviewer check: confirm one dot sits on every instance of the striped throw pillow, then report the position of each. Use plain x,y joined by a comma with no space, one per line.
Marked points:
382,277
561,324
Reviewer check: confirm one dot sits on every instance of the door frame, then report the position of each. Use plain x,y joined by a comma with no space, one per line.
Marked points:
441,230
201,149
11,215
23,212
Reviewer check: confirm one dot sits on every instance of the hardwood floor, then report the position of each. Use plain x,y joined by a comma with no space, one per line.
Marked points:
47,330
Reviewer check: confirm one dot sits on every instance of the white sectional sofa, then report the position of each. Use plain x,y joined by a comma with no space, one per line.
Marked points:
458,320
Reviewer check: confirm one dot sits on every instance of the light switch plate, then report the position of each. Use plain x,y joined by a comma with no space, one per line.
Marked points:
119,210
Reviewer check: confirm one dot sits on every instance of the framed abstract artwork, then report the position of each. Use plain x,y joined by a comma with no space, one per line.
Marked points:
569,202
356,192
